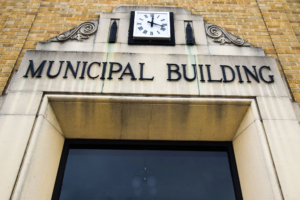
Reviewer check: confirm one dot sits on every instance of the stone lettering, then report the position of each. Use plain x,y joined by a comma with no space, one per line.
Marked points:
39,69
111,70
184,72
83,70
224,73
128,73
189,73
209,75
270,76
89,69
239,73
49,69
248,72
142,73
176,71
70,66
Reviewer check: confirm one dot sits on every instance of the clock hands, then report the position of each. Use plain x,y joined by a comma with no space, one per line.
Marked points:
154,23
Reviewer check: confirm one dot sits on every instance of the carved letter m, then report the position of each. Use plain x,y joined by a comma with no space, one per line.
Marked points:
38,71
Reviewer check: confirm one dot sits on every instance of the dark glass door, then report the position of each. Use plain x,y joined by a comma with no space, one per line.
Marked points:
129,172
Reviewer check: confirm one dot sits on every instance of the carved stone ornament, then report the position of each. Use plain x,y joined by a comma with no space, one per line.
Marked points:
83,31
222,37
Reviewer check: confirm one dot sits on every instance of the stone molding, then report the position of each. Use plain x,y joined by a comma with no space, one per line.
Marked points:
222,37
82,31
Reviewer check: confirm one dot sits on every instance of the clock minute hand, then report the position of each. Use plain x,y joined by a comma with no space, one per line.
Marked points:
154,23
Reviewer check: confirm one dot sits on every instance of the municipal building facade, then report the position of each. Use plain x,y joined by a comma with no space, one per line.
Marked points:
150,102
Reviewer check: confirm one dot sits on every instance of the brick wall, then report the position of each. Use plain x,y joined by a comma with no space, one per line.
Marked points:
270,24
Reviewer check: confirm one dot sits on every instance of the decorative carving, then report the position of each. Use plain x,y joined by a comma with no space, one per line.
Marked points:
83,31
221,36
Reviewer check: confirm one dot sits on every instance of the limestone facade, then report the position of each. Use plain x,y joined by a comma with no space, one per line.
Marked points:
270,24
223,88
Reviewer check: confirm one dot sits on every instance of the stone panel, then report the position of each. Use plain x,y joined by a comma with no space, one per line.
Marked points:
151,118
256,172
38,174
276,108
284,139
22,103
15,132
155,66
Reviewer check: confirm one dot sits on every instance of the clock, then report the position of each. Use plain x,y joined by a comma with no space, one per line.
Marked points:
151,25
151,28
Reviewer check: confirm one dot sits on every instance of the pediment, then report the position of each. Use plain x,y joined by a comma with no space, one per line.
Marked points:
209,39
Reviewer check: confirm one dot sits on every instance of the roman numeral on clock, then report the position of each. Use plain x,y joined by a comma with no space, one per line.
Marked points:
145,31
140,28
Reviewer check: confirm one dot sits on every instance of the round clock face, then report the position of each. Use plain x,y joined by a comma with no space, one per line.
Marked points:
151,25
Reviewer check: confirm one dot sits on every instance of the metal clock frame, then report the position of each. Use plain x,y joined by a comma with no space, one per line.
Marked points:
132,41
138,36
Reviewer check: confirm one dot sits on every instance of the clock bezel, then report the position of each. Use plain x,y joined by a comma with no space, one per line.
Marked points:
152,41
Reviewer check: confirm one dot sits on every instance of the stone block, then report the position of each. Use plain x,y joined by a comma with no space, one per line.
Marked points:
40,164
180,38
155,66
65,46
296,110
252,88
255,168
22,103
284,139
147,118
275,108
15,132
249,118
199,32
123,29
102,33
115,15
126,9
47,112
